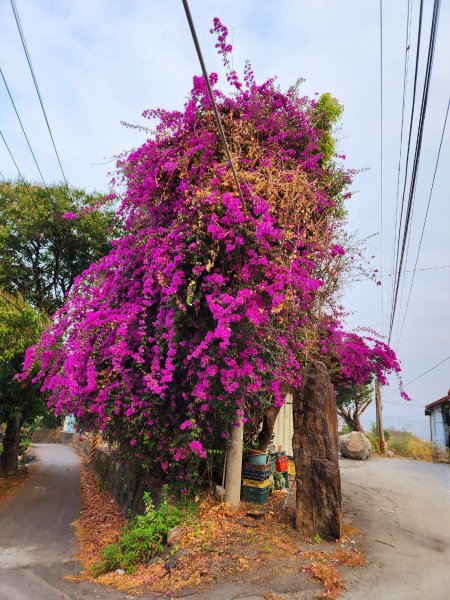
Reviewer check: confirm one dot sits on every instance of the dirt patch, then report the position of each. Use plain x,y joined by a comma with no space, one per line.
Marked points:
101,520
218,550
10,485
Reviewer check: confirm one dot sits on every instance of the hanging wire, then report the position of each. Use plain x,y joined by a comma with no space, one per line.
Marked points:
424,222
11,154
211,96
381,163
30,65
21,125
418,147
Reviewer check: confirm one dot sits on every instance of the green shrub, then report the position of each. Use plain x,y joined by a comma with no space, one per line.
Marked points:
344,429
142,538
373,438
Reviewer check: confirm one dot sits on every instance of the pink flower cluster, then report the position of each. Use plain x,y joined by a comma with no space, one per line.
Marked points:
201,311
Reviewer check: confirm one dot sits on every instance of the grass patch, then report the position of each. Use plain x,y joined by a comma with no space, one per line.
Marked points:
408,445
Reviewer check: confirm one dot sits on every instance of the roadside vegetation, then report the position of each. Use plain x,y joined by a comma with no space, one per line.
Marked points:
406,444
255,546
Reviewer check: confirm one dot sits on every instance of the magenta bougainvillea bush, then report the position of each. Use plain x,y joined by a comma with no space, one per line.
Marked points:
212,301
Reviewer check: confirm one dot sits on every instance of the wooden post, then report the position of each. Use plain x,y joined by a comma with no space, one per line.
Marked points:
95,443
234,465
379,418
315,448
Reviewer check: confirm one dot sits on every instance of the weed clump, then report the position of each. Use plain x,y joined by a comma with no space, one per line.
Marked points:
143,538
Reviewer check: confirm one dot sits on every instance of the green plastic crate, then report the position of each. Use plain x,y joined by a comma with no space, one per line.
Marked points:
255,495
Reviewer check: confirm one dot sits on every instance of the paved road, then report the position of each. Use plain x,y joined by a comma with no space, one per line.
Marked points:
37,541
403,507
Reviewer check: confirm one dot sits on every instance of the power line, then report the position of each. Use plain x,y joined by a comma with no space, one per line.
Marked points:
416,70
402,274
211,95
30,65
425,221
421,375
21,125
421,269
405,81
352,277
11,154
423,109
381,163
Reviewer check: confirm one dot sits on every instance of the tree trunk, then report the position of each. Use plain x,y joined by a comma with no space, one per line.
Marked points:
265,435
9,458
357,424
353,422
270,416
315,448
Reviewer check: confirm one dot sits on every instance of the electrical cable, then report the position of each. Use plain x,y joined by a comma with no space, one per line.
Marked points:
351,277
423,109
21,125
421,269
403,273
211,96
421,375
381,163
11,154
424,223
416,70
30,65
413,182
405,85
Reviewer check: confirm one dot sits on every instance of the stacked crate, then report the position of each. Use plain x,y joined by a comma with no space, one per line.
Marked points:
255,482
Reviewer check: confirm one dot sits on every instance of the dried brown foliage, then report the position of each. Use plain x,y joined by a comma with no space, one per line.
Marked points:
215,547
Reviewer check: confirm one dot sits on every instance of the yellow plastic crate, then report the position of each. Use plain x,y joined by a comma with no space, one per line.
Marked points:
256,484
291,467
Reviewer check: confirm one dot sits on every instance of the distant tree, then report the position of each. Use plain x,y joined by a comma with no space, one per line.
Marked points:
351,402
48,235
20,325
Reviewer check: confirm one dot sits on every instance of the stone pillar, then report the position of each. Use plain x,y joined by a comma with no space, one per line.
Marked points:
315,447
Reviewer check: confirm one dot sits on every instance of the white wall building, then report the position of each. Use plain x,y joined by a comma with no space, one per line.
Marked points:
284,427
439,413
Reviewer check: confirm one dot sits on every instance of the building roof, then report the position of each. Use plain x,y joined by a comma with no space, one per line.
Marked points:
428,407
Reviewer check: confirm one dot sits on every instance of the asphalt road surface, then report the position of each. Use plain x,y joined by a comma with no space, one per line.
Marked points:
403,508
37,541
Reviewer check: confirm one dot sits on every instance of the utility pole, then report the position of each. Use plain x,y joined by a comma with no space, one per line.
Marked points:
379,418
234,465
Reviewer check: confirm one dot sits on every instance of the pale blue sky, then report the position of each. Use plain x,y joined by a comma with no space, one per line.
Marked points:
100,62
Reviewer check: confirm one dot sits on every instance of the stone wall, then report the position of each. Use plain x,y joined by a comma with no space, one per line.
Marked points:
125,484
124,481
